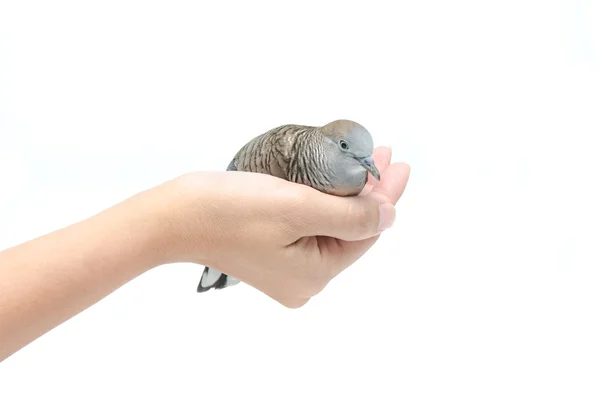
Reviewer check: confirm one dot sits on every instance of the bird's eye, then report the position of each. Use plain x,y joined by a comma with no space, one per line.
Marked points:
344,145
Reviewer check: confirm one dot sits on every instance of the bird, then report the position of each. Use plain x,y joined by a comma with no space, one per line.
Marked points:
334,158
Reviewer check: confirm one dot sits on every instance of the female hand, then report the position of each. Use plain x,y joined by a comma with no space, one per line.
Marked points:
283,238
286,239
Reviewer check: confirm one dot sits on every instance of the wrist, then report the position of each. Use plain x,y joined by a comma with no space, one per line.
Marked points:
142,228
174,222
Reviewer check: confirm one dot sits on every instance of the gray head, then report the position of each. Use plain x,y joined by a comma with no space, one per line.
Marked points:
353,142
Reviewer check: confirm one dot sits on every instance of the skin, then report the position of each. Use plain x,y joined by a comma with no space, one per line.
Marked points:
258,228
346,166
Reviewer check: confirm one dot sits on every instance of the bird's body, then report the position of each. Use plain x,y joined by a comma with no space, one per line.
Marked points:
334,159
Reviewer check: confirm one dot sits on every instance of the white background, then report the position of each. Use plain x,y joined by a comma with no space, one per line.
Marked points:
486,286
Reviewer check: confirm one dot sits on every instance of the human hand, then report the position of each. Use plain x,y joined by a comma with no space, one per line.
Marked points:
285,239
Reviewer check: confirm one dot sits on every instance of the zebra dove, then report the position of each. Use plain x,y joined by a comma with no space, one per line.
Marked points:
333,159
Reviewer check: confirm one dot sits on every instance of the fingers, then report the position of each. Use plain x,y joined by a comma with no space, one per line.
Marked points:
392,185
393,182
349,218
382,157
354,218
346,228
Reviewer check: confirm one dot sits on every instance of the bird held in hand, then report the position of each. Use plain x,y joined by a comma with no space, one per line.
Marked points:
334,159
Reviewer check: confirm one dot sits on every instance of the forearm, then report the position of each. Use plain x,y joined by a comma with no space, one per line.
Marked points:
48,280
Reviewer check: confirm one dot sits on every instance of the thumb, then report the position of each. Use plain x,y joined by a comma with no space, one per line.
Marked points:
347,218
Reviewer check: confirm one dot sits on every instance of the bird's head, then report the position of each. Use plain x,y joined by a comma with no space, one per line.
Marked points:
352,140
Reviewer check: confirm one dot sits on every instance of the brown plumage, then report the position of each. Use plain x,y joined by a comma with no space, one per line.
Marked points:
292,152
333,159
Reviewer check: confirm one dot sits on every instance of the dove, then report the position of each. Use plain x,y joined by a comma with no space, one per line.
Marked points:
334,159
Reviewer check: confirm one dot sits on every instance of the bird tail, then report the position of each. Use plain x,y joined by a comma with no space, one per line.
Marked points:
212,278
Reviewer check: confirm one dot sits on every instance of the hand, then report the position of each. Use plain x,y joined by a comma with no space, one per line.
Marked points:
257,228
283,238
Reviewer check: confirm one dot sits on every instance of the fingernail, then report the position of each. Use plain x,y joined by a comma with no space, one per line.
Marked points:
387,214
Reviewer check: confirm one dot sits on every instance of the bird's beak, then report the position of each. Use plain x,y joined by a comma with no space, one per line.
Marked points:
369,164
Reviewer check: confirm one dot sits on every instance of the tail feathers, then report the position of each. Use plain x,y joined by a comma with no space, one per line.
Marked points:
212,278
